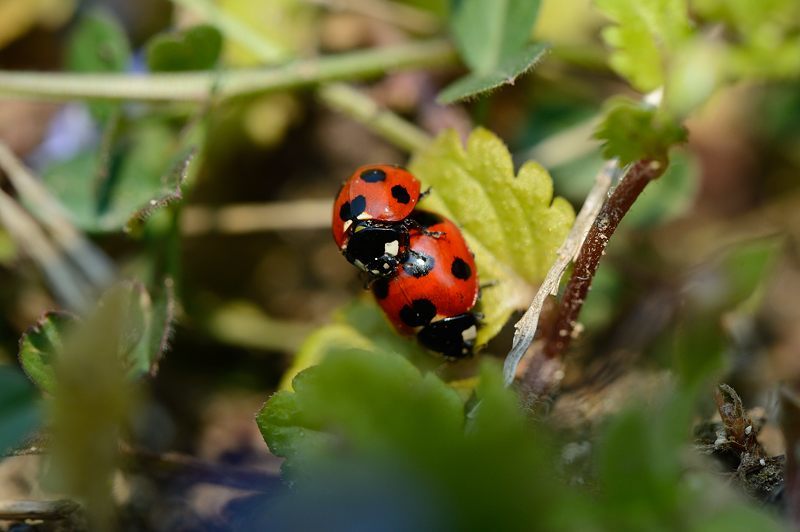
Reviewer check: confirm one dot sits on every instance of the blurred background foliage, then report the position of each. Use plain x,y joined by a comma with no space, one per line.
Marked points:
167,267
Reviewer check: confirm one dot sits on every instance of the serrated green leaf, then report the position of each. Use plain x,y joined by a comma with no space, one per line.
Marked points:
513,224
40,345
149,164
19,411
632,131
143,330
492,37
644,34
196,48
505,73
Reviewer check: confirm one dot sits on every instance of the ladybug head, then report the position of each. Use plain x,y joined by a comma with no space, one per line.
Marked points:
377,247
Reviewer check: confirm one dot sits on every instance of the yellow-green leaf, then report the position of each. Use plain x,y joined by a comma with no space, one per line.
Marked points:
512,223
644,34
360,325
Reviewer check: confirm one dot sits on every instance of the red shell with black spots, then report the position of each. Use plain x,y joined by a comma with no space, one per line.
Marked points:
374,192
438,279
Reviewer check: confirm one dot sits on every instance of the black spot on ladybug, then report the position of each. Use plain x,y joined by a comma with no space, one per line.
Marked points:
344,211
373,175
460,269
419,313
381,288
418,264
400,193
357,206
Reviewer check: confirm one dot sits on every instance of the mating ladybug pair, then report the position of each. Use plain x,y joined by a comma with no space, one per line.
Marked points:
421,271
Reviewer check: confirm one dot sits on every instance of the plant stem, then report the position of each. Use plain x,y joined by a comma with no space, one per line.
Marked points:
385,123
593,249
202,86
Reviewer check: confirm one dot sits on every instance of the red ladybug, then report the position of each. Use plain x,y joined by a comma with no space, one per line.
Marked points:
434,291
369,217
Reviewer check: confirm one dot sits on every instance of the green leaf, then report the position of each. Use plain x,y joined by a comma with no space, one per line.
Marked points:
40,345
644,35
148,167
632,131
498,475
359,325
144,328
196,48
19,411
489,31
492,36
506,72
513,224
99,44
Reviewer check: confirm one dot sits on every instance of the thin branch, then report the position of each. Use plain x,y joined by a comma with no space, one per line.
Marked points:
593,249
201,86
257,217
96,266
38,510
364,109
66,283
527,325
341,97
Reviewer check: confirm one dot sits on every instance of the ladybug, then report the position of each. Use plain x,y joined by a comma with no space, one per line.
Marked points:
370,217
435,289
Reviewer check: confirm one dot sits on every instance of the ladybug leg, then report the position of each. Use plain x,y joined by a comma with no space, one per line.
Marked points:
424,193
488,284
433,234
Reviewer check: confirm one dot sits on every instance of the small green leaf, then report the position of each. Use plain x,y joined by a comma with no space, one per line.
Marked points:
492,37
196,48
19,411
506,72
40,345
632,131
144,328
513,224
646,32
99,44
148,167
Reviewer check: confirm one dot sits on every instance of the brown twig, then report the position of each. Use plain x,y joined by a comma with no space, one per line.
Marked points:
593,249
545,371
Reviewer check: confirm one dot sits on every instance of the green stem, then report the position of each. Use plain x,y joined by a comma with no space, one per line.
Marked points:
200,86
385,123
